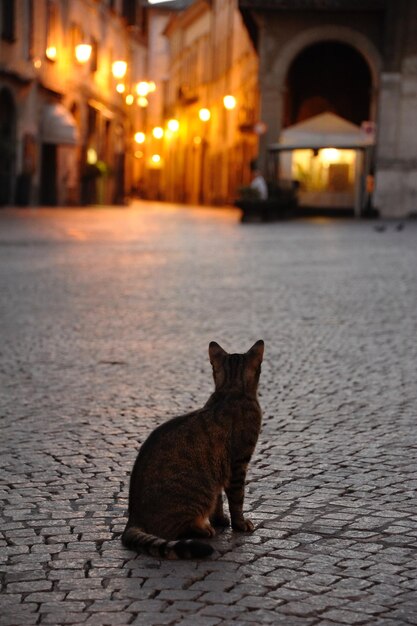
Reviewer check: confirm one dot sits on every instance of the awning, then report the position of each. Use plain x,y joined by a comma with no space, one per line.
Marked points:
58,126
326,130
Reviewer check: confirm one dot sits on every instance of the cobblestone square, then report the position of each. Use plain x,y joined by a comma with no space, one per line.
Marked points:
105,319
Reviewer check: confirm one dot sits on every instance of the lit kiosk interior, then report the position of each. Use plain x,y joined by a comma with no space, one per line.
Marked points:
327,160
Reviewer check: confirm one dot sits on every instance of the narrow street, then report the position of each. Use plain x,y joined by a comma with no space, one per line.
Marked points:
105,319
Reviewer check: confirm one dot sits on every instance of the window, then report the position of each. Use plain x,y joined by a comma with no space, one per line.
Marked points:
129,11
8,20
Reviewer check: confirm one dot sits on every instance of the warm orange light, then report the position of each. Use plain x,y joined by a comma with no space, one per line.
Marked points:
151,86
142,102
118,69
140,137
173,125
83,52
37,63
120,88
158,132
229,102
142,88
50,53
129,99
138,154
91,156
156,158
330,155
197,141
204,115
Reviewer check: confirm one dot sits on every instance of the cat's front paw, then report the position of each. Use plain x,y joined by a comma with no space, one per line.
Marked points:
243,526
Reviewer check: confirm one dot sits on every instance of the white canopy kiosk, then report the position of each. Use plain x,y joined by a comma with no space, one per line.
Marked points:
329,158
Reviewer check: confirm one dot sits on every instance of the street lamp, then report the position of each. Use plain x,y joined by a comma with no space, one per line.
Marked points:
140,137
173,125
204,115
83,52
142,102
229,102
119,69
142,88
50,53
158,132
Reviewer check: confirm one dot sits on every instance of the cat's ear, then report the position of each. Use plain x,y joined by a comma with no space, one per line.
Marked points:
216,353
256,353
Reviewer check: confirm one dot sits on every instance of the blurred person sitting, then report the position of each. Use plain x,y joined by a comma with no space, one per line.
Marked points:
258,183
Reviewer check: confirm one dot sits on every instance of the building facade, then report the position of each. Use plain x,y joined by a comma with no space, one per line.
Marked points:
285,62
66,125
353,58
176,98
207,141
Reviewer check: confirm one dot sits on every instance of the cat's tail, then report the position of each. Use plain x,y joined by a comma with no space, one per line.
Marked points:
135,538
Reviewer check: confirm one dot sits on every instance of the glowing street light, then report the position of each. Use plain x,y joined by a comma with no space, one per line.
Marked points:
204,115
129,99
119,69
158,132
142,102
50,53
140,137
83,52
173,125
120,88
91,156
229,102
142,88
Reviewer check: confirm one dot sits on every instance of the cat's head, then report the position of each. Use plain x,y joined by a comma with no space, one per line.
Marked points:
236,372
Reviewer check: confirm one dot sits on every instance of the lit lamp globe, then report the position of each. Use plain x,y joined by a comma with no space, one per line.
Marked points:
204,115
51,53
140,137
155,162
83,52
173,125
142,89
158,132
229,102
119,69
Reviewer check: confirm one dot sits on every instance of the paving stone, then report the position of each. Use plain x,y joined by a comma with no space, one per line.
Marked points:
105,338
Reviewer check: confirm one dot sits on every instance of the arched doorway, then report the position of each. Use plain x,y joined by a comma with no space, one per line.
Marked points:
329,76
7,146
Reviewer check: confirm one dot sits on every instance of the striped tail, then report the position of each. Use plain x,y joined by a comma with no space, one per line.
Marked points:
135,539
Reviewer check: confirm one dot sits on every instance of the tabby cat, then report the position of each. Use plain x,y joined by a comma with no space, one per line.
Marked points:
183,466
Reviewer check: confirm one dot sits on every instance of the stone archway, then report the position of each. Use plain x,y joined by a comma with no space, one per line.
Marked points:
7,146
273,79
328,76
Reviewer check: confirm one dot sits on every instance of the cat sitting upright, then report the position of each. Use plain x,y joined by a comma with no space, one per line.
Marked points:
184,465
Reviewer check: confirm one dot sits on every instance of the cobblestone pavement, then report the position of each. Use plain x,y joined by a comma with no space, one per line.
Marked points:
106,316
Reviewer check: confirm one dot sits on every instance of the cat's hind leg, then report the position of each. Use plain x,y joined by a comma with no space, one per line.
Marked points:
199,527
219,518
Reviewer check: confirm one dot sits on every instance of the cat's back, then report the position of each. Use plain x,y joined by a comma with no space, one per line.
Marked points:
181,441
